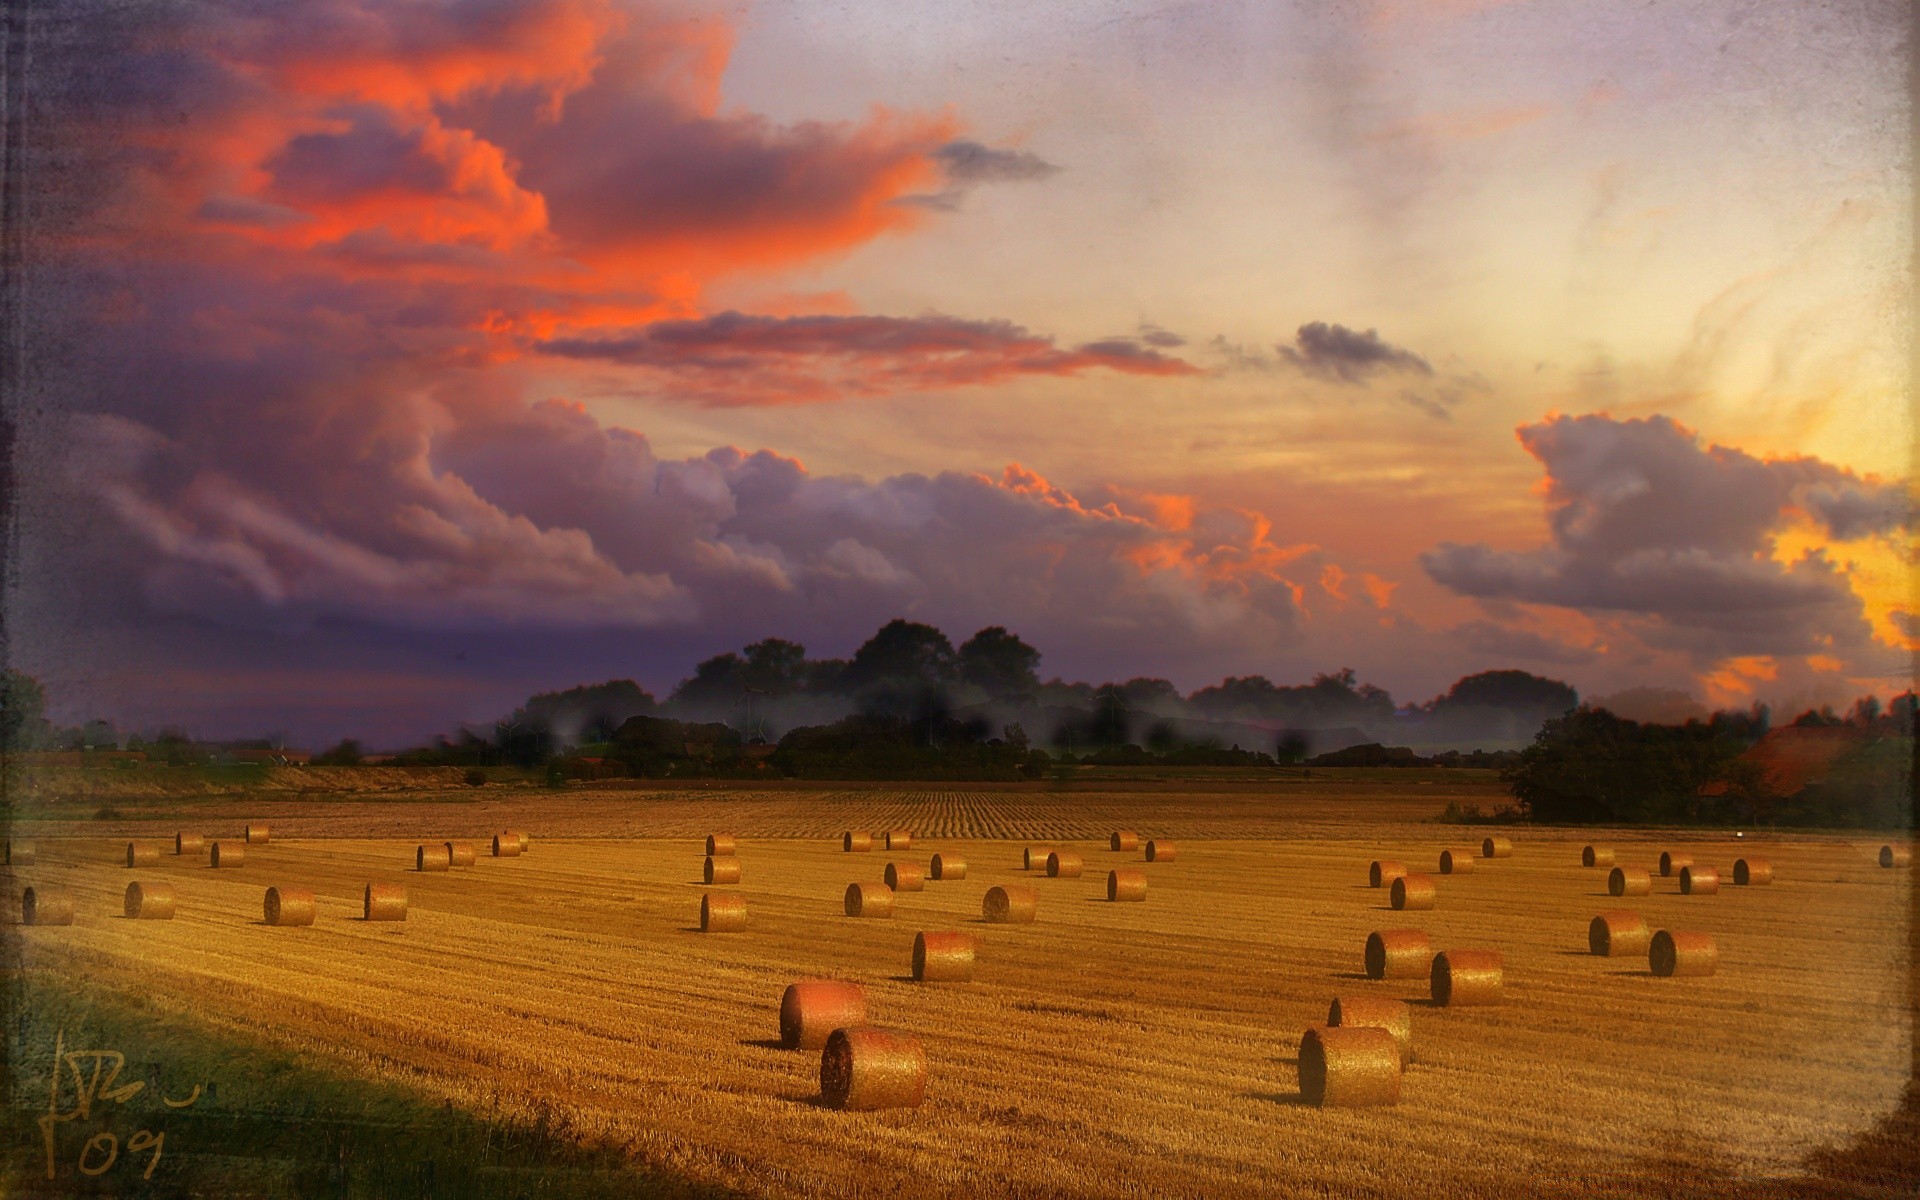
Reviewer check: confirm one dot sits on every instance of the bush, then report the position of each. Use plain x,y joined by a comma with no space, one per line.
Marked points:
475,777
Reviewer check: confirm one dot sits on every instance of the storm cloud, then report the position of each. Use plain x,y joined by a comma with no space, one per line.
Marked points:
1342,355
1649,523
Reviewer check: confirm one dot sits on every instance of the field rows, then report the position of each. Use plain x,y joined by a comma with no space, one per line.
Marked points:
1105,1050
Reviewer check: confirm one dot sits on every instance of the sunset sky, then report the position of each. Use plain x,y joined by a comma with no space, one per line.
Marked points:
390,361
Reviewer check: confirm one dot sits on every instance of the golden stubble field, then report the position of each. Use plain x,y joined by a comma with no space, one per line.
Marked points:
1106,1050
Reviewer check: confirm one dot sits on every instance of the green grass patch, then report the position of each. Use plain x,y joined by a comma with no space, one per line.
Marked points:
264,1123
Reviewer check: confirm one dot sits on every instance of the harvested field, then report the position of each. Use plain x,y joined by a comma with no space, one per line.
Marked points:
571,986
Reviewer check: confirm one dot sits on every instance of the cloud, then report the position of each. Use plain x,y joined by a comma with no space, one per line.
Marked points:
1339,354
1650,524
966,165
478,515
737,358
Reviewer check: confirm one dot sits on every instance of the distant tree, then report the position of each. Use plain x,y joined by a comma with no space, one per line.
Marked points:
348,753
1590,766
589,713
775,667
1332,699
23,708
999,663
1112,717
904,654
1157,696
717,683
1518,690
1815,718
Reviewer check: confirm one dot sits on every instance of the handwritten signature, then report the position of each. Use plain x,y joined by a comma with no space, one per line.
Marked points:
95,1086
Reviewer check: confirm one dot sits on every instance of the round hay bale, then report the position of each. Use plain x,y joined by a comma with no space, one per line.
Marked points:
1670,863
1034,858
869,900
1412,892
812,1009
506,845
189,843
899,839
151,901
1456,862
1376,1012
227,854
460,854
721,843
139,854
289,906
1752,872
723,912
1381,872
256,834
1596,856
1010,904
1123,840
866,1069
1699,881
943,957
1496,847
46,906
1350,1066
1618,932
905,877
856,843
1629,881
19,854
526,843
1127,885
431,856
384,902
721,870
1681,955
1895,856
1160,851
1467,977
1063,864
948,867
1399,954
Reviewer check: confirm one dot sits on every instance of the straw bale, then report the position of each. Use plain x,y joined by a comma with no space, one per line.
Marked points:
460,854
1127,884
151,901
46,906
1381,872
1752,872
141,854
256,833
1467,977
856,843
1678,954
227,854
1349,1067
812,1009
1159,850
1671,863
1596,856
1629,881
1122,840
19,853
1895,856
1456,861
288,906
189,843
1010,904
1411,892
1376,1012
1699,881
384,902
723,912
947,867
721,870
869,900
899,839
506,845
431,856
1618,933
943,957
864,1069
1399,954
1496,847
721,843
1063,864
1034,858
905,877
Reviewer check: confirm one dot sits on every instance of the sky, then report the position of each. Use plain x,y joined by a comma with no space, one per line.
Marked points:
388,362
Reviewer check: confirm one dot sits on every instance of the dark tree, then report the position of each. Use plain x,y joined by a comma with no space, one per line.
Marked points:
23,707
903,655
1157,696
999,663
347,754
775,667
717,683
